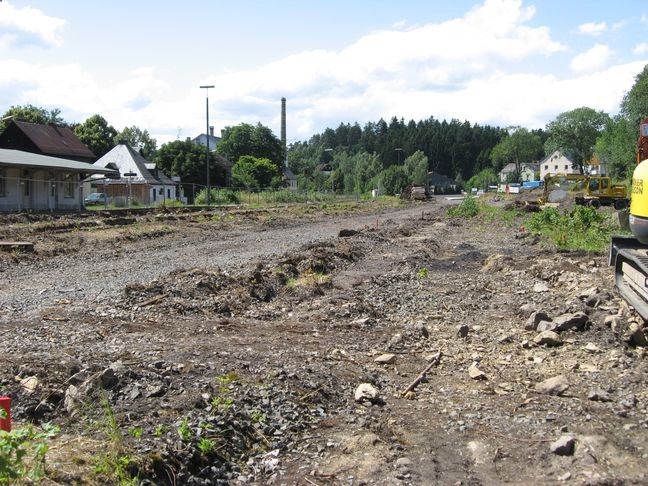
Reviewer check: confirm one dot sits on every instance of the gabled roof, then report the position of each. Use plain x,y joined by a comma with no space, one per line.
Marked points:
54,140
511,167
128,160
28,159
202,140
556,154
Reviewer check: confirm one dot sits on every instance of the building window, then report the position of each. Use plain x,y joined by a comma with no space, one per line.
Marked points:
566,167
555,167
3,182
68,186
546,166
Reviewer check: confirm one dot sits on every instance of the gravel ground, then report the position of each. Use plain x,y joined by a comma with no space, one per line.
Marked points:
99,271
288,352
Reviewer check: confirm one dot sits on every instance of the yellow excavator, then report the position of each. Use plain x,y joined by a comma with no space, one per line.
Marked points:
629,254
591,190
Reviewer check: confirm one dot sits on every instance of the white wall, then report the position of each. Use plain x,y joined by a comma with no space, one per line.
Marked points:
46,191
556,163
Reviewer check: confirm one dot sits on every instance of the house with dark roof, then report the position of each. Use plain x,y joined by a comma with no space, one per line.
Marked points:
50,140
140,180
441,184
34,182
527,172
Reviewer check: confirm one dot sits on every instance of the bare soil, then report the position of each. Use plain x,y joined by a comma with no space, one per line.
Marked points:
229,346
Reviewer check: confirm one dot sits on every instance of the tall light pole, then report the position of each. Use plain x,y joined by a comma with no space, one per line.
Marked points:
398,151
330,150
206,87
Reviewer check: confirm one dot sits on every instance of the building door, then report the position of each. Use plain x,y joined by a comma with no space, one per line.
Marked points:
26,186
53,193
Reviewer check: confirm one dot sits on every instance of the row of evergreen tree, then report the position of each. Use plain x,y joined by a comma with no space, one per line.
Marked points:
453,148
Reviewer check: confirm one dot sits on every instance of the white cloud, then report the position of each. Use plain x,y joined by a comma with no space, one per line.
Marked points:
466,68
592,28
27,25
592,59
641,48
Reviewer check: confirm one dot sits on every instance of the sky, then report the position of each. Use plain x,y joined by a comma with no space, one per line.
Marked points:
497,62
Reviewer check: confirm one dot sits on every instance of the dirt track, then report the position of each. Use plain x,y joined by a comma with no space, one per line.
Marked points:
263,357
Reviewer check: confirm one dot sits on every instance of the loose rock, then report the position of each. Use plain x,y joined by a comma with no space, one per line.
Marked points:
563,446
553,386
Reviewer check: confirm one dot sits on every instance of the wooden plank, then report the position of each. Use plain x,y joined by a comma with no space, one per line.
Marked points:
16,245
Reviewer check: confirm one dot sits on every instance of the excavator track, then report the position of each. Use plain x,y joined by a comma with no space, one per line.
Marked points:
630,260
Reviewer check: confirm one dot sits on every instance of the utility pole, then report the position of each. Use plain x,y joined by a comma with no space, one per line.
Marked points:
206,87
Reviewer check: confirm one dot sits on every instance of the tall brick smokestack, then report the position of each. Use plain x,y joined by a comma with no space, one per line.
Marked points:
283,127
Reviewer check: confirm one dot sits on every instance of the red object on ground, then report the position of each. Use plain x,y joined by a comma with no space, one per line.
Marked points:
5,423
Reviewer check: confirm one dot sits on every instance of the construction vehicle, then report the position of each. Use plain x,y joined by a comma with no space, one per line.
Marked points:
629,254
592,190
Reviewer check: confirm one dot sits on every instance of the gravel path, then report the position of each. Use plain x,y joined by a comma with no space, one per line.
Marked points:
100,274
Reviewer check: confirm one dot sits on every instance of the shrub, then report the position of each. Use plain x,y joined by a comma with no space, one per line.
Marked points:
584,228
468,208
21,444
217,196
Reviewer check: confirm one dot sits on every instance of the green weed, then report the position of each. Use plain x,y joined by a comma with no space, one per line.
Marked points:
469,208
184,431
206,446
160,430
584,228
136,432
24,445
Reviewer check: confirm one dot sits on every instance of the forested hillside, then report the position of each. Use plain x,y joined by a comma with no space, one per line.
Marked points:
455,149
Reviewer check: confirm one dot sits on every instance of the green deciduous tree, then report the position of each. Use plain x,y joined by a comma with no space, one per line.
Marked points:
32,114
634,106
186,159
616,147
575,132
138,139
416,168
255,173
96,134
482,180
519,147
394,179
255,140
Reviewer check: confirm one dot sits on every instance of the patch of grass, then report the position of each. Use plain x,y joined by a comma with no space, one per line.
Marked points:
584,228
116,464
222,403
491,213
206,446
469,208
312,279
422,273
227,378
184,431
136,432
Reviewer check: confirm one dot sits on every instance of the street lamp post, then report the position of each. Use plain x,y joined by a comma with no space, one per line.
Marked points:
206,87
129,175
329,150
398,151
